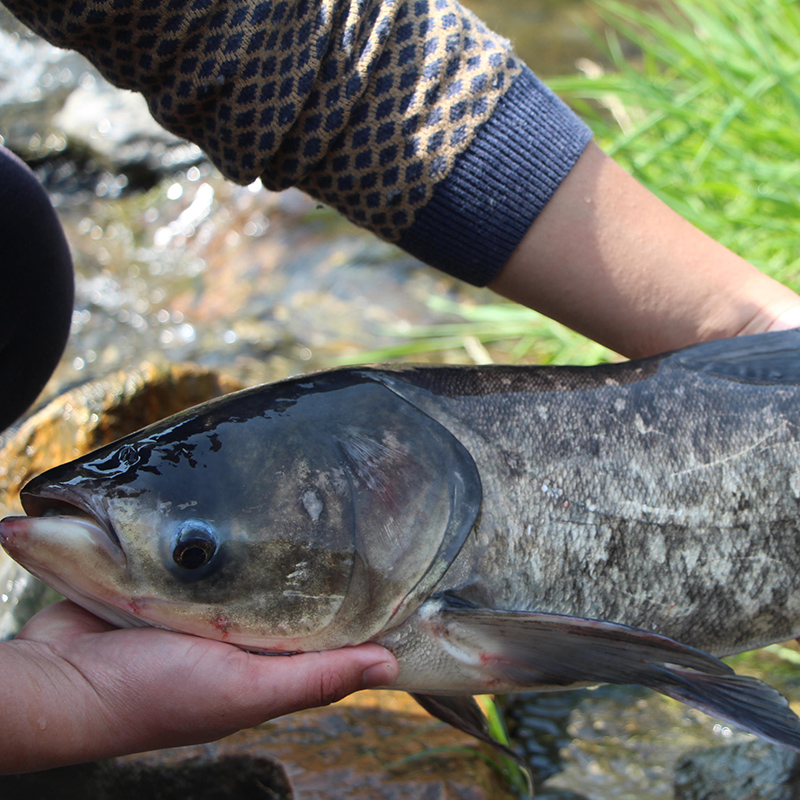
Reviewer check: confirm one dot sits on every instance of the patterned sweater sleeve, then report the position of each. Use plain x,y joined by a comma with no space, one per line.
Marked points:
408,116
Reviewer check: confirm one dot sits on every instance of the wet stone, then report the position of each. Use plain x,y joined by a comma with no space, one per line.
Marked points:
59,111
755,770
116,130
539,723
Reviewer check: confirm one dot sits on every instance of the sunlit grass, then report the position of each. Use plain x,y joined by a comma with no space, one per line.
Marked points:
494,332
708,117
519,779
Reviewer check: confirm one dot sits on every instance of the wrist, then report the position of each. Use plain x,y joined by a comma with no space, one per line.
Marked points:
612,261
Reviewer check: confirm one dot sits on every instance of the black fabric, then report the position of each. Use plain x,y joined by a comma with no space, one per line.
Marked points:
37,288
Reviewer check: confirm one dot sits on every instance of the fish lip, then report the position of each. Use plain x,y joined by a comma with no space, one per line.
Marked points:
63,501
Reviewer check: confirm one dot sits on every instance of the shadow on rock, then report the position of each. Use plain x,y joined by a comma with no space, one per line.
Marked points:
196,778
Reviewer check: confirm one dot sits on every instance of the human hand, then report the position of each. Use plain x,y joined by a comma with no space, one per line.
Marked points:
76,689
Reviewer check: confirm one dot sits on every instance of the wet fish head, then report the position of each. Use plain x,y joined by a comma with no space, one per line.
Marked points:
304,515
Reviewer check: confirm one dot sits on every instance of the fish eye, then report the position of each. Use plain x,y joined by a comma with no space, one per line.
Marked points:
194,546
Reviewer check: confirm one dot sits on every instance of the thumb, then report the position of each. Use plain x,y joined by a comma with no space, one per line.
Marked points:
316,679
787,319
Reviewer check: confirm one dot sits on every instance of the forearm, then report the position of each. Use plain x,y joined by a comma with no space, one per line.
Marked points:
609,259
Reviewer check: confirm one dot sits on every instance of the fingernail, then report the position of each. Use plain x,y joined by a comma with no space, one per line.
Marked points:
381,674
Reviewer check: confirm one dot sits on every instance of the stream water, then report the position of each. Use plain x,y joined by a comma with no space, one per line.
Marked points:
174,263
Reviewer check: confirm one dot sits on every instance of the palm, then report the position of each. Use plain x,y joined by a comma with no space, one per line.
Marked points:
101,691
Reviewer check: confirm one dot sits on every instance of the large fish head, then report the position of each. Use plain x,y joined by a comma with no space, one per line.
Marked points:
304,515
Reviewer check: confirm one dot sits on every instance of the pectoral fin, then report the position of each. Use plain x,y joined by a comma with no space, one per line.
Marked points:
527,650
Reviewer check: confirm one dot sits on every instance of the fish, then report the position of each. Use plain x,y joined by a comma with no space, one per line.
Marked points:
498,528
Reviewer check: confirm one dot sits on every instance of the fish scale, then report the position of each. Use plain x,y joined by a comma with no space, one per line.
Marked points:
625,521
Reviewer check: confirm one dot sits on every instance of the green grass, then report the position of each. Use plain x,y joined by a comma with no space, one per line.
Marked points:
706,114
520,779
708,117
494,332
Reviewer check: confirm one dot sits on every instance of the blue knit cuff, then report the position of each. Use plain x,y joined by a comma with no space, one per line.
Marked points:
499,185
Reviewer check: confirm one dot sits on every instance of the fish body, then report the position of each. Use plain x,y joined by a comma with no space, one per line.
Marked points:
663,494
497,528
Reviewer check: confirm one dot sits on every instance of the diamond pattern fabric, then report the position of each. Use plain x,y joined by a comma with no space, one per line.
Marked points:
363,103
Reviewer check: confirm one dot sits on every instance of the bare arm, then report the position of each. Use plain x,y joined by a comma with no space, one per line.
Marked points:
609,259
75,689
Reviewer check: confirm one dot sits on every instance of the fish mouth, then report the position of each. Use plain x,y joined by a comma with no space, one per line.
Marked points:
67,542
60,501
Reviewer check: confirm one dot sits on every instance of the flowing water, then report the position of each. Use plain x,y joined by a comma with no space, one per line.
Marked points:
174,263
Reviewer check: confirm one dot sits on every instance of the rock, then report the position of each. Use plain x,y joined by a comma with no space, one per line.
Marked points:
539,722
36,80
371,745
116,129
191,779
755,770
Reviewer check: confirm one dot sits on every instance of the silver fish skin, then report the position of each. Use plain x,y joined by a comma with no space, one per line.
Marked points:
497,528
663,494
